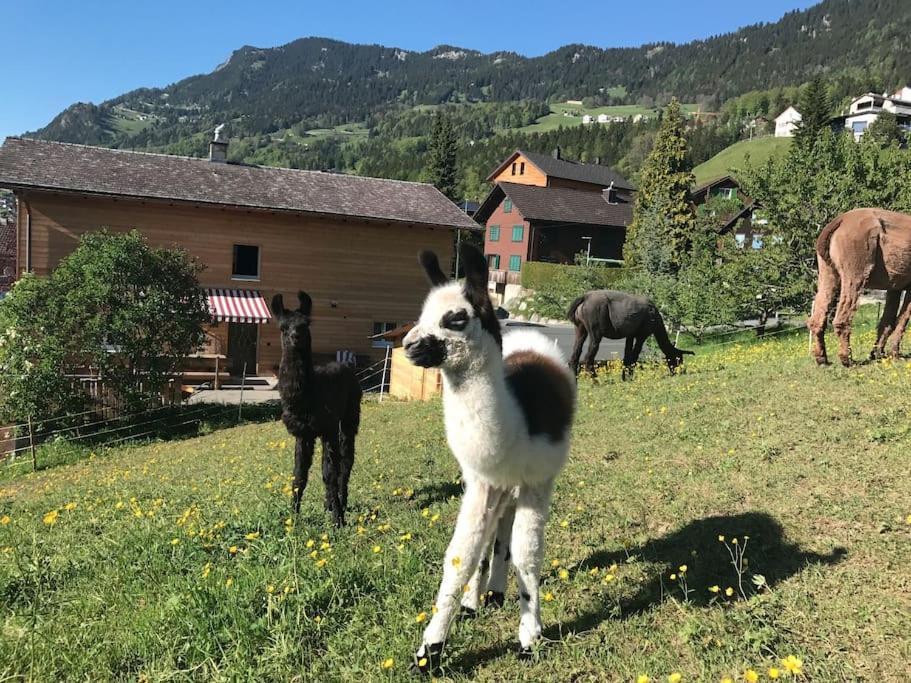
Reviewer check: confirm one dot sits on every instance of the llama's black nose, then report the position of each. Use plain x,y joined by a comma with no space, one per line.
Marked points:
426,351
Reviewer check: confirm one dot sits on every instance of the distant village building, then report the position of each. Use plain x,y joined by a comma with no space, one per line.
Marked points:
349,241
746,223
786,123
547,208
603,118
865,109
587,118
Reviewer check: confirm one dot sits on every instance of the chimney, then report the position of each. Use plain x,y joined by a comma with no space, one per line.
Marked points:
218,148
556,152
597,161
609,193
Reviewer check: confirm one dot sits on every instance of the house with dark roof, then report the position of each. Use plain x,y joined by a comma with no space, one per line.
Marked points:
349,241
547,208
745,222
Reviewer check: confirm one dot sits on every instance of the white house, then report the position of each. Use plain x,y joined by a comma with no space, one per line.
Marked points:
865,109
587,119
603,118
786,122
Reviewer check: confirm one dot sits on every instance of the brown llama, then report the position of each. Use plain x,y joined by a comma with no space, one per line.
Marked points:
615,315
322,401
862,249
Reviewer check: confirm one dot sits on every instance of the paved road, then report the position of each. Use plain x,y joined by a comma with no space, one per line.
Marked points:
565,336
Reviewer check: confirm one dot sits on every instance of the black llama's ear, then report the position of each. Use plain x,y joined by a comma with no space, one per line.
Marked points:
306,303
475,266
431,267
278,306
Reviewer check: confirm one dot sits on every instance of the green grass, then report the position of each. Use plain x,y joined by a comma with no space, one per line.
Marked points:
758,150
556,118
137,580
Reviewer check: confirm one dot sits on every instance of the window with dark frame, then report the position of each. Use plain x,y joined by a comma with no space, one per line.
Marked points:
513,167
246,262
522,168
493,261
382,328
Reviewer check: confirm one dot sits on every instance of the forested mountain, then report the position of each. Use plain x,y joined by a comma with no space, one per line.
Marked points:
360,97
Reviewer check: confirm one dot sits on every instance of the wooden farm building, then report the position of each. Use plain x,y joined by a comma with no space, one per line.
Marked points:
547,208
351,242
745,223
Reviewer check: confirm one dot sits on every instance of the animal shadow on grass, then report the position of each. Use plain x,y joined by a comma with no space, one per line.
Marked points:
437,493
708,563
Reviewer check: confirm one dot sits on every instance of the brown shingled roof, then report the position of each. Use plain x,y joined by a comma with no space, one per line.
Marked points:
570,170
27,163
560,205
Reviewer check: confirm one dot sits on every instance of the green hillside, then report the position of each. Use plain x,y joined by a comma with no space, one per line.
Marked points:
178,560
758,151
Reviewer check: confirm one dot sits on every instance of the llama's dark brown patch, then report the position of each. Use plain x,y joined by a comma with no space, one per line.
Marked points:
543,391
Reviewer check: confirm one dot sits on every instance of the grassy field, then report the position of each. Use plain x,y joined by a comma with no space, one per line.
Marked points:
178,560
556,117
735,156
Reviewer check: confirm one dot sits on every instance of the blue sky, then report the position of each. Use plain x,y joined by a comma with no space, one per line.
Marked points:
58,52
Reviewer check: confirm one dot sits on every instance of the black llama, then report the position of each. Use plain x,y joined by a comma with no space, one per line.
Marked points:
615,315
322,401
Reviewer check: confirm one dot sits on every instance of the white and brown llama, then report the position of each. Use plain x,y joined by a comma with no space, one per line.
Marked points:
322,402
508,403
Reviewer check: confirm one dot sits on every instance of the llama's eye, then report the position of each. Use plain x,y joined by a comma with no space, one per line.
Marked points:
455,320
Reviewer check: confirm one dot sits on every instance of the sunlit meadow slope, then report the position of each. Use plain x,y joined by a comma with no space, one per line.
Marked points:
178,560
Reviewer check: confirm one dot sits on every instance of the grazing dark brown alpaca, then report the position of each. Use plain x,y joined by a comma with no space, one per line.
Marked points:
617,315
317,402
862,249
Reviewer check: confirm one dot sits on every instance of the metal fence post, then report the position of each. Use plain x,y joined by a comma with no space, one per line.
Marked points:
385,364
243,381
31,444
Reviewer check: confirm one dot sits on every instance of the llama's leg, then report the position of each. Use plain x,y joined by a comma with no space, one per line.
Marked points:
491,560
844,316
581,335
499,561
594,342
887,322
826,294
627,356
477,517
901,325
532,510
303,457
331,472
346,447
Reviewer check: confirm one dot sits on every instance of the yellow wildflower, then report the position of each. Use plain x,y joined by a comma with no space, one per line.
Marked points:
555,563
683,569
4,520
548,597
774,672
792,665
642,678
252,536
388,663
721,537
564,523
675,678
421,617
175,541
729,591
69,506
270,589
456,562
321,563
310,543
314,554
233,550
50,518
714,589
229,582
376,549
750,676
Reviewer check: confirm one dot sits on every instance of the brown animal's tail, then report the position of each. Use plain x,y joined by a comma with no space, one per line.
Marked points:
664,342
825,237
571,311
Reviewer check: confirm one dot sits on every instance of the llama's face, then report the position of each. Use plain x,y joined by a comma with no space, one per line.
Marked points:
457,323
294,326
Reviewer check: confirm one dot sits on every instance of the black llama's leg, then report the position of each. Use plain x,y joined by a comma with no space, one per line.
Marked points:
331,472
633,356
594,341
346,448
581,335
628,361
303,457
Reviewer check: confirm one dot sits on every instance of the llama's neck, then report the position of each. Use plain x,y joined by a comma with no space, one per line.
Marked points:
477,402
296,376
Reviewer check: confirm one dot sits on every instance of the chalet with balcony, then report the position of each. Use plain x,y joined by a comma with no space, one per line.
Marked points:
865,109
547,208
745,221
349,241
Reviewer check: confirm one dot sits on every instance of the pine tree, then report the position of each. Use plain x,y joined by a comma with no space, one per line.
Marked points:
815,109
441,165
662,214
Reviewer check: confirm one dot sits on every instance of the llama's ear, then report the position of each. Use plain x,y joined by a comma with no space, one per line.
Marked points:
306,303
278,306
475,290
475,267
431,266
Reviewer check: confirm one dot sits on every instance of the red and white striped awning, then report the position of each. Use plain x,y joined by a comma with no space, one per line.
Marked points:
237,306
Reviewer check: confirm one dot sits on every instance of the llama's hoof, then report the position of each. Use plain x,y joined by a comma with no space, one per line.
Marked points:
467,613
427,660
495,599
822,361
525,654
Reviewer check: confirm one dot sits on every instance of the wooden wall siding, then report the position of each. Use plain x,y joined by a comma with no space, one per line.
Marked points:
357,273
532,176
553,181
